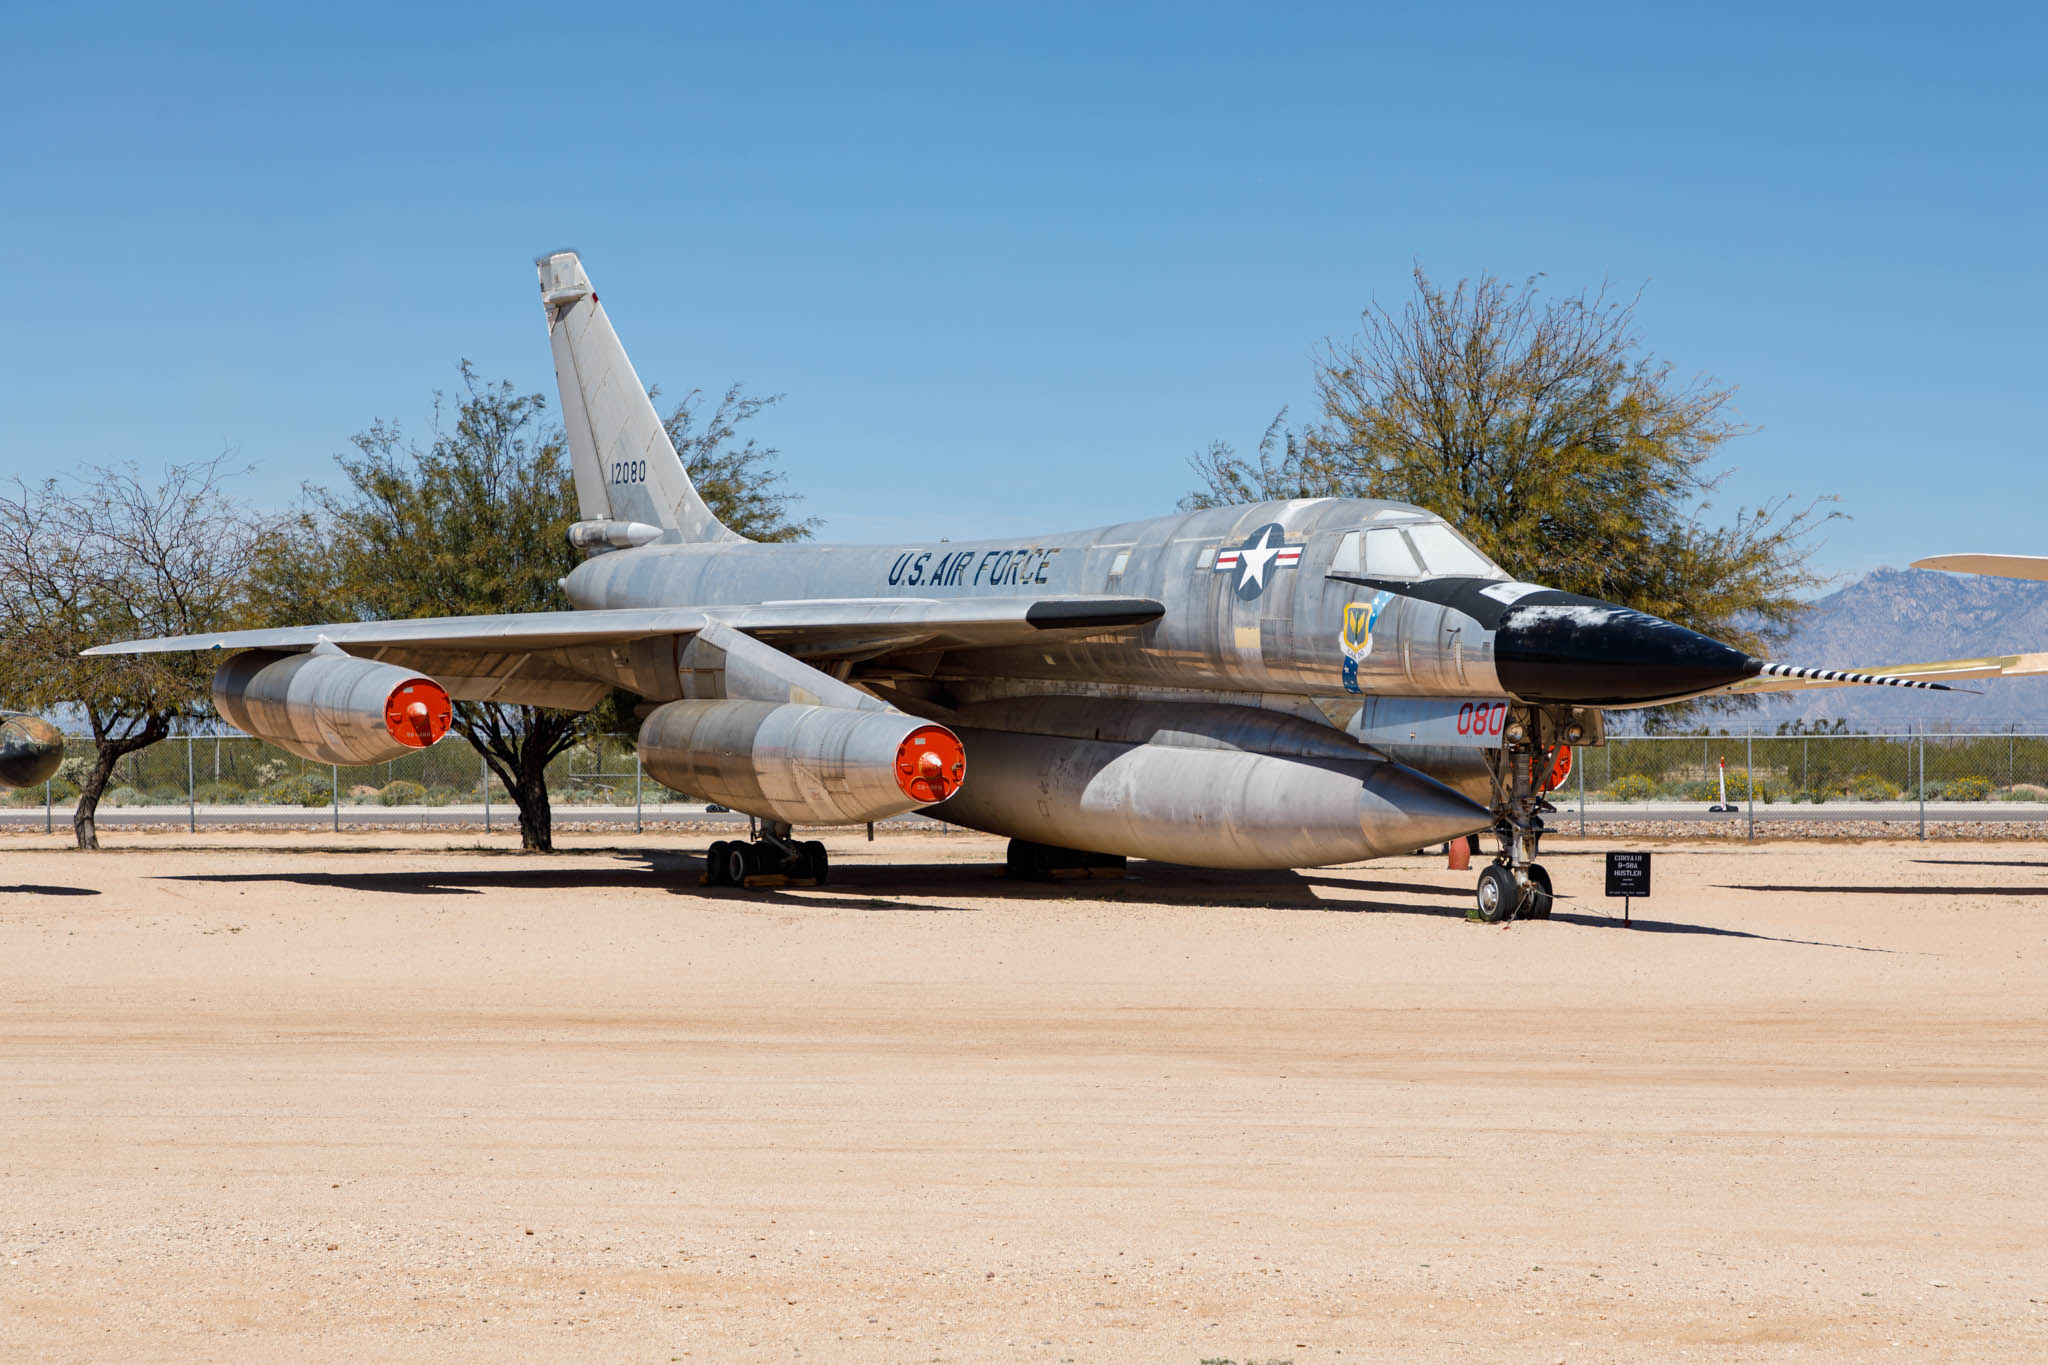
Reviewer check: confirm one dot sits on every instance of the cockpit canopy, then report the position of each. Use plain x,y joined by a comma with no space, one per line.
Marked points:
1418,547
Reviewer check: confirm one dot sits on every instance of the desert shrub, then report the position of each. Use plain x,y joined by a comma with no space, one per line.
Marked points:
307,789
1818,796
166,796
220,793
403,792
63,790
2026,791
1871,787
1631,787
442,796
124,796
1967,789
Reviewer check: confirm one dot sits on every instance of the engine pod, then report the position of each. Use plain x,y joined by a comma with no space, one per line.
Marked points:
331,707
31,751
810,765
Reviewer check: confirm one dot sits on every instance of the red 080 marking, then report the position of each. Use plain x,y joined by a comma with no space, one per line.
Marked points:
1482,718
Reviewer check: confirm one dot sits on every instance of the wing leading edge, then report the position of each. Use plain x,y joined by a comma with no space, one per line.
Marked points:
537,657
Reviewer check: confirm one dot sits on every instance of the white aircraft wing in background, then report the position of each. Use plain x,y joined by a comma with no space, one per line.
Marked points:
1995,566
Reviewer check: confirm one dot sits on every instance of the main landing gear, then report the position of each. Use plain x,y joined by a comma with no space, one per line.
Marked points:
1043,863
774,859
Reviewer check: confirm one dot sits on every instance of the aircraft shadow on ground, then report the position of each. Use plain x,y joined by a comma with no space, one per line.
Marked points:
1980,862
32,890
909,887
1900,890
1639,925
453,882
920,888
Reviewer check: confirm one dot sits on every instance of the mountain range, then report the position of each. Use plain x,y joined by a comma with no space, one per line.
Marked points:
1894,616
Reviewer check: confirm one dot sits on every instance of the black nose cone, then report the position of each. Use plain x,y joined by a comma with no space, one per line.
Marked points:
1560,647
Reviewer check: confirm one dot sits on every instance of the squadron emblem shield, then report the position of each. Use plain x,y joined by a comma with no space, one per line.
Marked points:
1356,636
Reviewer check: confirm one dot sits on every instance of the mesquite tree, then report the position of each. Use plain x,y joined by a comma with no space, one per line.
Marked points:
108,556
1545,431
476,523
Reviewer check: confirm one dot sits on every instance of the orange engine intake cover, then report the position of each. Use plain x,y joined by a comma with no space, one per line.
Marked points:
1559,770
930,764
418,712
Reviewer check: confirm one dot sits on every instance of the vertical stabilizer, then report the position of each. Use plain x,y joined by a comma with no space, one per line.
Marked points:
625,466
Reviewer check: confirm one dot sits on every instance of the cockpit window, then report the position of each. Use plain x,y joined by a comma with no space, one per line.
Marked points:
1388,556
1447,552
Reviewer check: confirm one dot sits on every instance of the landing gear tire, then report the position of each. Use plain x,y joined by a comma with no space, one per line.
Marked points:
1499,894
816,865
739,864
1027,861
714,864
1024,861
1537,897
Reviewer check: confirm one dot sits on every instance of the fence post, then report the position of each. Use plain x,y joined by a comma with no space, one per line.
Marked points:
637,829
191,788
334,780
1921,785
1749,776
49,816
1582,798
485,763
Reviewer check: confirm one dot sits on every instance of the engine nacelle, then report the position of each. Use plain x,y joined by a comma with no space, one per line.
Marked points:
331,707
31,751
808,765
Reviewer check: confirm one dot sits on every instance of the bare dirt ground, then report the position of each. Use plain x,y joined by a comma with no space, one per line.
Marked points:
274,1096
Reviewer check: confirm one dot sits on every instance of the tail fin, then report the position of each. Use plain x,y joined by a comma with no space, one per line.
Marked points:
626,468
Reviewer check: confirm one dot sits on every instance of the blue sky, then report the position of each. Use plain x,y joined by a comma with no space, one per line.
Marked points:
1013,267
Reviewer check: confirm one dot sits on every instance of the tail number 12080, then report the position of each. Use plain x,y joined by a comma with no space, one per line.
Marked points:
630,471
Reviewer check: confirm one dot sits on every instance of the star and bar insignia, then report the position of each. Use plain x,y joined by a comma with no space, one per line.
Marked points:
1265,549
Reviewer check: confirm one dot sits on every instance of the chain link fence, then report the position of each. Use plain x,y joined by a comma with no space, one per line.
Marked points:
1774,775
1818,769
228,772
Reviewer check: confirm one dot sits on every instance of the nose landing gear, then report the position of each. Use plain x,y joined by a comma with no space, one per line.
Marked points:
1515,885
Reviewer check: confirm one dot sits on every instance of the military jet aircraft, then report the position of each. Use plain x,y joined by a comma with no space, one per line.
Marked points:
31,750
1290,684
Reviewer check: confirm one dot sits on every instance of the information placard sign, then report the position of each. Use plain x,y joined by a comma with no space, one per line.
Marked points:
1628,874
